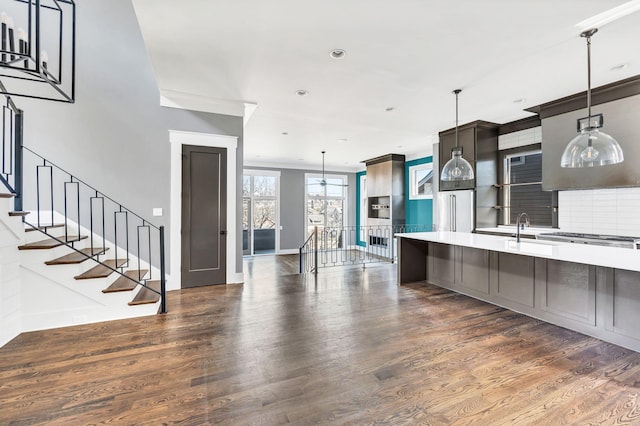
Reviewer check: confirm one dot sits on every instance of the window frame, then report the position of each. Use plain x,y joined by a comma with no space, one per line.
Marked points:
344,197
413,181
504,185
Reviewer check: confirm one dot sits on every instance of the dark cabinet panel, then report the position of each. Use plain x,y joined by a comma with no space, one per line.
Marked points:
474,269
569,290
626,303
515,278
441,264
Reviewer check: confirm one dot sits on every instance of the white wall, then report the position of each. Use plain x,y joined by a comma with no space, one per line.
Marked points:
10,288
116,136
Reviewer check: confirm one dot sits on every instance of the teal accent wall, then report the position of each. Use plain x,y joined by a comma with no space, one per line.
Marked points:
358,208
417,212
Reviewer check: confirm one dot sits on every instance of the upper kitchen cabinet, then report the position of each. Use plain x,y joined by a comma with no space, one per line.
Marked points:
479,143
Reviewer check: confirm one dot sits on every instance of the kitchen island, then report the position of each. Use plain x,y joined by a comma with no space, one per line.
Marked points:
590,289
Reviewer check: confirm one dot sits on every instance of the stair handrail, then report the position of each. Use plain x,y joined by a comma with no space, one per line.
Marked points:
118,208
91,187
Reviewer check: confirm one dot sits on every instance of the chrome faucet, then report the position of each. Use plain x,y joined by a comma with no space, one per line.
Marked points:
526,223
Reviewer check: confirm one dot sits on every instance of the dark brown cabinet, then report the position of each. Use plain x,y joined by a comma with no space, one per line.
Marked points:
479,142
467,141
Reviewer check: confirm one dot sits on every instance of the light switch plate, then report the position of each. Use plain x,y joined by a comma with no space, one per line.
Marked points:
157,211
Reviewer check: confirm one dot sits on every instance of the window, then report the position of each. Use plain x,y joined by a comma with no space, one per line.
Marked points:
326,203
522,188
421,181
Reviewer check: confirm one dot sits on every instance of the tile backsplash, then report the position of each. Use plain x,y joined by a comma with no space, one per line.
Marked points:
613,211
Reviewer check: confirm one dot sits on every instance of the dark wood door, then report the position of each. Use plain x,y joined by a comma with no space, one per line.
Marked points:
204,220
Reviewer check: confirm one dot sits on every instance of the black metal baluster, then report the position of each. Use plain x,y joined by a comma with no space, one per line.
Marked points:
163,284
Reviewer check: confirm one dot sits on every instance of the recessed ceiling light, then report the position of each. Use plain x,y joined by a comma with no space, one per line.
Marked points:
608,16
302,92
342,140
300,159
338,53
388,109
285,133
398,146
519,100
619,67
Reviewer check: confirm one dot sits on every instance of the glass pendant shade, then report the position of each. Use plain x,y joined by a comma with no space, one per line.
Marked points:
591,148
457,168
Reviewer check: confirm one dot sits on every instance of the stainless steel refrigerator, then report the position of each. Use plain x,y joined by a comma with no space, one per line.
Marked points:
455,211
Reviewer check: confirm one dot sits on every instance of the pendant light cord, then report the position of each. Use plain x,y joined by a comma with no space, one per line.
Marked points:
457,92
589,77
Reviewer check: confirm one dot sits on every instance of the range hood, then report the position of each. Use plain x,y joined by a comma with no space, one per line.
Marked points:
619,103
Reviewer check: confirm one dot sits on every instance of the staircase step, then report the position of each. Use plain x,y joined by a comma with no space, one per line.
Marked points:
102,271
43,227
76,257
145,295
50,243
4,195
125,284
23,214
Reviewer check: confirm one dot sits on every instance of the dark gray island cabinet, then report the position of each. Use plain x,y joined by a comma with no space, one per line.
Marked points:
590,289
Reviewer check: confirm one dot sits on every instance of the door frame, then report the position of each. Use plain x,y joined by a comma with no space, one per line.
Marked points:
177,139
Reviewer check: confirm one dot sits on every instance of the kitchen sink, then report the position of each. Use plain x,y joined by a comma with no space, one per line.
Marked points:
531,246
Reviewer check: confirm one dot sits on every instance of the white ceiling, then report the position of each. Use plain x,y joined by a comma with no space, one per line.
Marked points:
405,54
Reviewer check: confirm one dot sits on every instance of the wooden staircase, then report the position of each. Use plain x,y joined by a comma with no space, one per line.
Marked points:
128,281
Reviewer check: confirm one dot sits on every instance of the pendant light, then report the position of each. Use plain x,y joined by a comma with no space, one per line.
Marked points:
457,168
591,147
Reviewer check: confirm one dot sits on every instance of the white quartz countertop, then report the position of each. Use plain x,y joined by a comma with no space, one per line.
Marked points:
612,257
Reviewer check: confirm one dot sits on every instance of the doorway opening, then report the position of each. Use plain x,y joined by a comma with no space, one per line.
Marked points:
260,212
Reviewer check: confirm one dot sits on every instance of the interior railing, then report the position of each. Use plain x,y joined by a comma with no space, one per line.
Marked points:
11,161
351,245
56,198
308,253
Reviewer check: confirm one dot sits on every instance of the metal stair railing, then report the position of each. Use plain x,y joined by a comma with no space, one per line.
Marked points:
58,195
351,245
52,192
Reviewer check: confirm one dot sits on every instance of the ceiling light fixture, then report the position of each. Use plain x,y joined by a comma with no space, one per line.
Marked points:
457,168
601,19
591,147
302,92
338,53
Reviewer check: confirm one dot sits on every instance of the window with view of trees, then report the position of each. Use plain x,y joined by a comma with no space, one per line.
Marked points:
260,211
326,203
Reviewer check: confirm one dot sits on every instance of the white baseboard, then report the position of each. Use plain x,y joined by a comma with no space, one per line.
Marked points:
288,251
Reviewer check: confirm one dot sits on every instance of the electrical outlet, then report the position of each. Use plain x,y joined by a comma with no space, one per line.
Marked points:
157,211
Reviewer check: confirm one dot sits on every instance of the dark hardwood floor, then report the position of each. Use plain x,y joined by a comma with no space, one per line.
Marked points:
349,347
